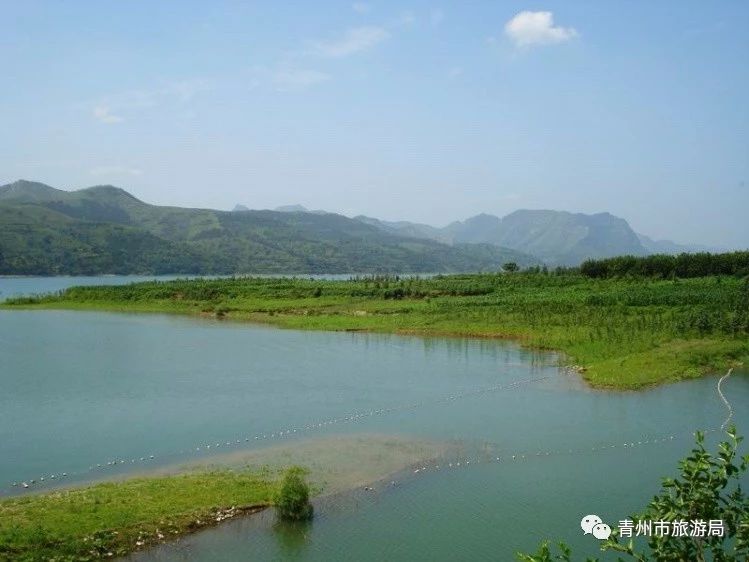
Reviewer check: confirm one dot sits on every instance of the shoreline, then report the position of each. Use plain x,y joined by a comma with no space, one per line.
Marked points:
291,321
173,502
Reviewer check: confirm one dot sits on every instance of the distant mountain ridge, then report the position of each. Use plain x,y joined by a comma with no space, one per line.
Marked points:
669,247
105,229
555,237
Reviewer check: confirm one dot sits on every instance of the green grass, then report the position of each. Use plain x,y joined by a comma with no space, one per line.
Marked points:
625,333
120,517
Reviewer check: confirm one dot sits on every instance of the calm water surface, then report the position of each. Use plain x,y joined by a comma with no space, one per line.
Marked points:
85,388
26,286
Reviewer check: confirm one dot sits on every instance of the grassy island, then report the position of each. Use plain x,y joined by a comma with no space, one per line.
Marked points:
623,332
115,518
108,519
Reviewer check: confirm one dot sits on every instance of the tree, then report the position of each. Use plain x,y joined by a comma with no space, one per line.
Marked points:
510,266
708,488
292,497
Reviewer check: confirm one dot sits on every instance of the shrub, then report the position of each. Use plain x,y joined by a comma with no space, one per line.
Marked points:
292,497
708,487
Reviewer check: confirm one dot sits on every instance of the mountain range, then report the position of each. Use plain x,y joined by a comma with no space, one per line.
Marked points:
104,229
554,237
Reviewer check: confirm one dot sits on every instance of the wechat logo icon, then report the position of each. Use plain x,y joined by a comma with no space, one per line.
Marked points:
594,525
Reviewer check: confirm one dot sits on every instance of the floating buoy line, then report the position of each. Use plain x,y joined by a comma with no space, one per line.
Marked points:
726,402
498,456
284,433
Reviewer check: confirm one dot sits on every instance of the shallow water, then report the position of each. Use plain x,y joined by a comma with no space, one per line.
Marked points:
88,388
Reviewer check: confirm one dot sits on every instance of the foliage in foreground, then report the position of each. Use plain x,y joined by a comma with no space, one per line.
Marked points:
292,498
708,488
115,518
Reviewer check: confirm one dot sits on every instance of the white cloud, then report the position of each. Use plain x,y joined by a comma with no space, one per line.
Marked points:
104,114
455,72
355,40
172,94
537,28
361,7
286,80
114,171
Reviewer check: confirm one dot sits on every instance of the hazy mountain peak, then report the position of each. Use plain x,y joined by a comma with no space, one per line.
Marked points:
109,191
28,191
238,208
291,209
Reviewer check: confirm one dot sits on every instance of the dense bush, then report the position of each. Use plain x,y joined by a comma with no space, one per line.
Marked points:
292,498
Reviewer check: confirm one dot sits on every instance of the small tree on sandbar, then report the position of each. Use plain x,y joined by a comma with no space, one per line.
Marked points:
292,497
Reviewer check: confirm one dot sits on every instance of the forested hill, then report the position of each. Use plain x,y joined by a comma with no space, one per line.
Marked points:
104,229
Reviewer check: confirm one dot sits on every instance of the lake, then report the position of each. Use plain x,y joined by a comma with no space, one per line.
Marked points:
81,389
12,286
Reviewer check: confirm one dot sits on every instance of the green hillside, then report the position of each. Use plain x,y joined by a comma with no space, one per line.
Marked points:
104,229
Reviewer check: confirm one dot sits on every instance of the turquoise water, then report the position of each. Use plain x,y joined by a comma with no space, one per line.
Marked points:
87,388
25,286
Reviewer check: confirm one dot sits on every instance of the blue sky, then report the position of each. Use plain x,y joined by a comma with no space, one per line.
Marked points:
420,111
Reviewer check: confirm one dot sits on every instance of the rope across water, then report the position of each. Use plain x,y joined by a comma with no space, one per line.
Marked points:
726,402
284,433
354,417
